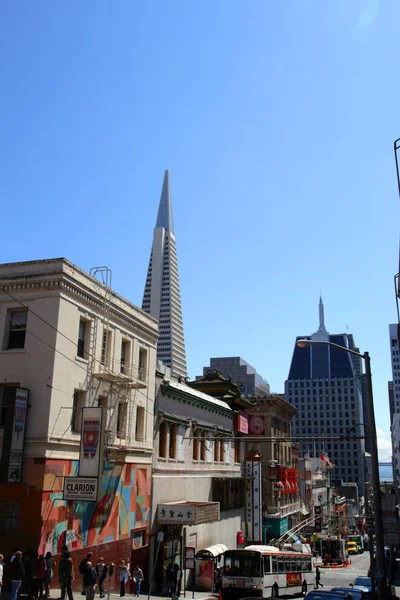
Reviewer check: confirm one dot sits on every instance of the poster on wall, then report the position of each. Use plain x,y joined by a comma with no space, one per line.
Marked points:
18,435
89,456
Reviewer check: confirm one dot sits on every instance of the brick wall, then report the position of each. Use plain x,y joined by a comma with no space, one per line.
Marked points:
111,552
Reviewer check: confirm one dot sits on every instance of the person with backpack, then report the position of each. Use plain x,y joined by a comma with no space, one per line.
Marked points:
101,572
66,574
82,569
137,579
89,580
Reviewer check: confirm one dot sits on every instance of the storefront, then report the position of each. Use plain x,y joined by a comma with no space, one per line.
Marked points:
172,519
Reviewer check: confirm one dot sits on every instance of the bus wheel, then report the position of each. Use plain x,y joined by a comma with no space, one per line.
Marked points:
274,591
304,588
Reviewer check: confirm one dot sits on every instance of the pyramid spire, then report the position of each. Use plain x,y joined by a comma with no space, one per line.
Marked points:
165,217
162,298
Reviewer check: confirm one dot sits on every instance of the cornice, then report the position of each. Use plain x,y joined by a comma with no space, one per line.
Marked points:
75,289
192,400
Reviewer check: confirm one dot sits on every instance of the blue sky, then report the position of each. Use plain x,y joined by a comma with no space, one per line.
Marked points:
276,121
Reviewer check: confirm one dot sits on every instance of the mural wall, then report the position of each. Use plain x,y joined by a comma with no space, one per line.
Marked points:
124,505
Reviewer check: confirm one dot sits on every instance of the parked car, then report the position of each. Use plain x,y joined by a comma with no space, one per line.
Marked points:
355,593
352,548
328,595
362,583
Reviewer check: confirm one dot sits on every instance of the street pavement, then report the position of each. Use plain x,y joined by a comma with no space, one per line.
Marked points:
330,577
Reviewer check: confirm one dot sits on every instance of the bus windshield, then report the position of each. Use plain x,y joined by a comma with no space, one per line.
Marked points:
242,564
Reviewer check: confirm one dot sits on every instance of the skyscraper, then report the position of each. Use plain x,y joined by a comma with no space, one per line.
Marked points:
324,385
253,384
162,296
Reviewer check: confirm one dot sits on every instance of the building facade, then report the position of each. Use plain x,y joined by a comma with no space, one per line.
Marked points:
198,485
77,385
269,441
324,387
162,296
252,383
394,405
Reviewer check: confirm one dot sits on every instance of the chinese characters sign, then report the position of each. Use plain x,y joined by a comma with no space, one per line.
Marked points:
185,513
18,435
253,500
182,514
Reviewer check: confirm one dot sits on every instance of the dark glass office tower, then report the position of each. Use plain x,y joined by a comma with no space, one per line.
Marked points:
324,384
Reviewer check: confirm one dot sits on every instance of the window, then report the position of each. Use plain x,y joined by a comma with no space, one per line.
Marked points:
78,406
237,451
162,443
9,518
82,337
217,444
125,356
196,445
16,323
2,407
203,449
106,348
142,364
121,420
139,429
172,440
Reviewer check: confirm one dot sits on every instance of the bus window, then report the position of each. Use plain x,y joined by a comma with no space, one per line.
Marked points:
267,564
309,564
299,565
287,564
274,564
293,566
281,564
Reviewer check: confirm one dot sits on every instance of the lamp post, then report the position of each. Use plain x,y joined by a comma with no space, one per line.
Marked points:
380,552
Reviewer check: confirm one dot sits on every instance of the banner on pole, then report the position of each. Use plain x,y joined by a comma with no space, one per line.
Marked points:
89,456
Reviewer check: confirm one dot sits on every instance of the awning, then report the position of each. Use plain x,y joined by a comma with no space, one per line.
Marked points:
211,552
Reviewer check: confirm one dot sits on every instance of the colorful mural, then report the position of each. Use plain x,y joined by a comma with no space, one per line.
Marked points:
124,505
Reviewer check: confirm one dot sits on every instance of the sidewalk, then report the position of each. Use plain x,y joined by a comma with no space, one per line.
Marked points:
56,593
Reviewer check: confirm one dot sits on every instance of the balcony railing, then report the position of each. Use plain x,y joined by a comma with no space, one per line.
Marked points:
119,372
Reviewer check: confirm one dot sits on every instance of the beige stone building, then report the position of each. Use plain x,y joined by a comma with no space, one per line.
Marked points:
69,342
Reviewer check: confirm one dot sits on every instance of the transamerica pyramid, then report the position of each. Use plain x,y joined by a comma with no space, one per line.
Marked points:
162,296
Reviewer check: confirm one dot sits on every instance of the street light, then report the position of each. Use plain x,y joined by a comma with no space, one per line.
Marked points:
380,545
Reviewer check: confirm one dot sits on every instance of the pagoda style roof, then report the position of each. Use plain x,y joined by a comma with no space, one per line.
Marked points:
215,384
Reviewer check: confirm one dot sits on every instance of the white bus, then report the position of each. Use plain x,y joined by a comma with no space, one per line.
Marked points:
264,571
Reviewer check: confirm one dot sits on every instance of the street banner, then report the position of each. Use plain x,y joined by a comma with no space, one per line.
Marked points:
89,456
18,435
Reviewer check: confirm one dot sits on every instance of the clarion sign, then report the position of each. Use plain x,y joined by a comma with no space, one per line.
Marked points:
83,489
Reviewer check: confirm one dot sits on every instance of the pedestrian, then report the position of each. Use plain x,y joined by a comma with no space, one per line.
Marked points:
17,575
101,572
31,574
1,572
318,577
137,579
41,567
170,576
50,564
124,575
66,574
89,580
82,569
